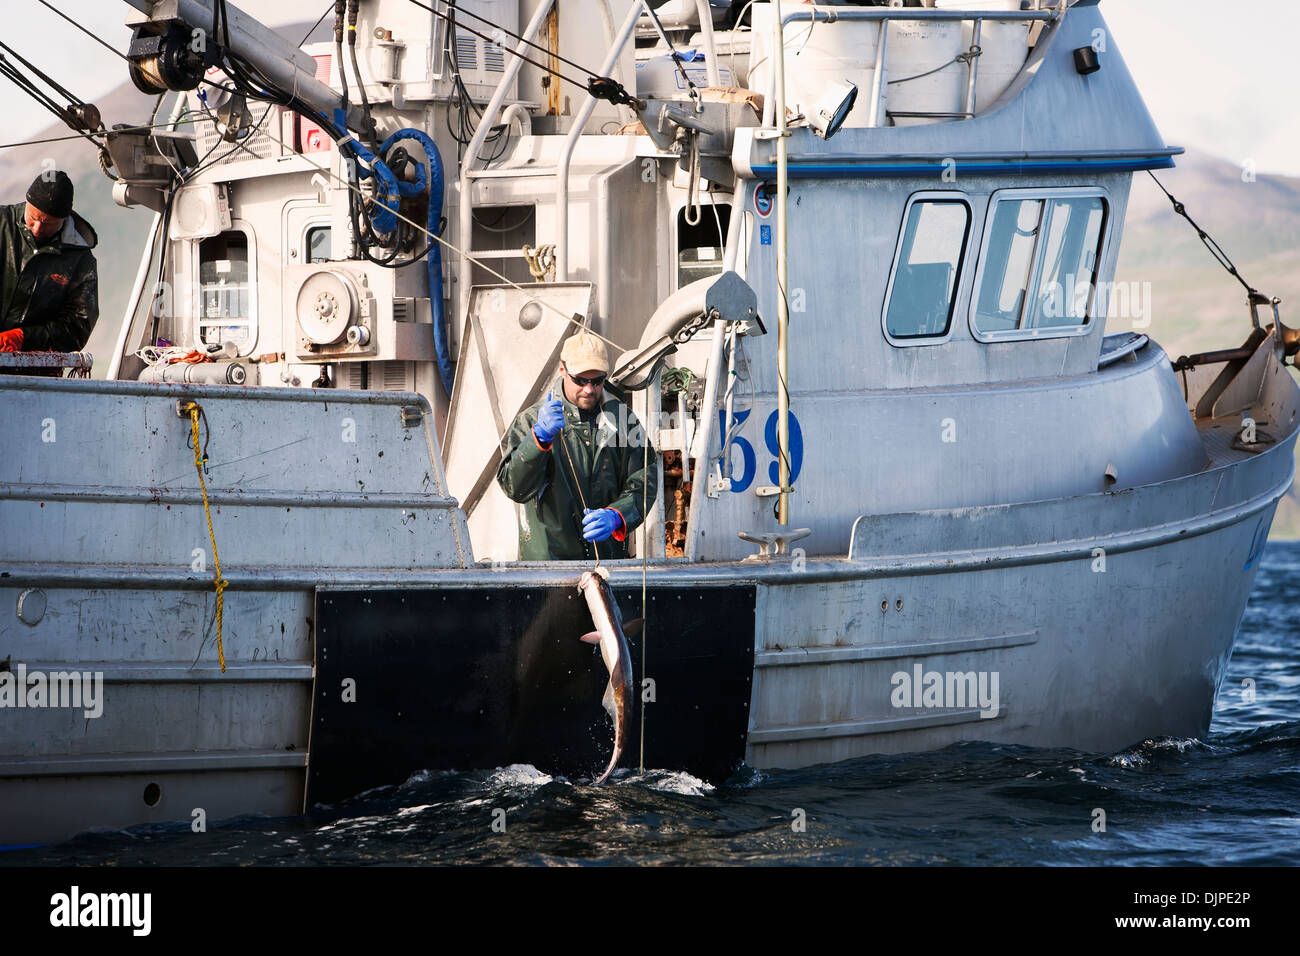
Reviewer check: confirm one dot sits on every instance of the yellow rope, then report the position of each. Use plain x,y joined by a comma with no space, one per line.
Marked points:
194,410
541,261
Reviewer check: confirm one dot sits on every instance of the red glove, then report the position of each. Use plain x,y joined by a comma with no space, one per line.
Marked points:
11,341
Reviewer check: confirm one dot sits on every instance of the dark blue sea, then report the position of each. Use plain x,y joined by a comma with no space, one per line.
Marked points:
1230,799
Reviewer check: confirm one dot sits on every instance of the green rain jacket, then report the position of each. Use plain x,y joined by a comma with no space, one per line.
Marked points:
610,458
50,291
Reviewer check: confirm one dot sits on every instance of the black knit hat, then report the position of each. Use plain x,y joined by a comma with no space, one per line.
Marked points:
51,193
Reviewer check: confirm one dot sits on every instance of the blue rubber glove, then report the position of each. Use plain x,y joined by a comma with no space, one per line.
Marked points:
600,524
550,419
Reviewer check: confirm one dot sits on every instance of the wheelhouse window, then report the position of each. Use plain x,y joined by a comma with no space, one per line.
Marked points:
1040,262
923,288
225,291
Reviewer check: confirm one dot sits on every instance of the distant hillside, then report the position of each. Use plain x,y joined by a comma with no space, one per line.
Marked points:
1196,305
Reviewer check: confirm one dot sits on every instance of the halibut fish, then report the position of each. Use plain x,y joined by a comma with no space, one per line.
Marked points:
608,635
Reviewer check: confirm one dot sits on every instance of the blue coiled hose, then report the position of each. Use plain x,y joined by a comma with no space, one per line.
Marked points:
434,181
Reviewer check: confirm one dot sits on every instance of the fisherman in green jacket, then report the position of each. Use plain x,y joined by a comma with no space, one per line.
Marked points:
578,433
49,286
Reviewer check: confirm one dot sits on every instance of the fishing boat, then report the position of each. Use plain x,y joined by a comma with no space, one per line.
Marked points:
918,482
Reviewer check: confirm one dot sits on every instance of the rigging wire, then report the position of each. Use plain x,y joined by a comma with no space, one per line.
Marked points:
450,18
1215,249
120,55
73,115
250,81
98,39
328,10
153,135
200,166
677,58
967,57
49,81
116,129
453,248
11,73
465,119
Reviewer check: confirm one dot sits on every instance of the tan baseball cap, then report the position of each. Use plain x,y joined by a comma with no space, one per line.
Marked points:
584,353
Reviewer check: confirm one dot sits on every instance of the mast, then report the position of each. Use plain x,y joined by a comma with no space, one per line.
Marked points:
782,267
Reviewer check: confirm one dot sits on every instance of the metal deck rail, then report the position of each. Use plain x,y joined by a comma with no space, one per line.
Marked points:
883,15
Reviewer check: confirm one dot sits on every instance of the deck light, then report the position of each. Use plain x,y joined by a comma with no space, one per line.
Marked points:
833,109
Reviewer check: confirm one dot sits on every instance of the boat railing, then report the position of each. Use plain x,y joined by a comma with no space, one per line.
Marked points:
884,15
52,363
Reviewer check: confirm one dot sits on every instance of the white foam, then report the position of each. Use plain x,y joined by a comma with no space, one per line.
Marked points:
351,823
424,776
519,775
672,782
1128,760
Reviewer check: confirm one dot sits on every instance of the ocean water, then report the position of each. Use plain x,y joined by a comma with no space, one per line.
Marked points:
1230,799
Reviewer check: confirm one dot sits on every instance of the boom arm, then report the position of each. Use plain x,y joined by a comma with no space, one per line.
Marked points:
282,63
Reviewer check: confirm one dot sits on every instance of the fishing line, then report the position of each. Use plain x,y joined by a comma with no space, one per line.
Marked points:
645,557
578,487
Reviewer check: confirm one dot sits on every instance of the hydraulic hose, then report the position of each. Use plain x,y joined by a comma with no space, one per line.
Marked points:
356,70
434,181
387,189
340,7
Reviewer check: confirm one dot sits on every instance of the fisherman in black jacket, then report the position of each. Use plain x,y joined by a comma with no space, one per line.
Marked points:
49,287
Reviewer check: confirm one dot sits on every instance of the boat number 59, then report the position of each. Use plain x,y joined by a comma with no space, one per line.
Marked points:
742,449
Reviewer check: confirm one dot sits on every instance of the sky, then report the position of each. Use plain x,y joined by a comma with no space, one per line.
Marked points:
1219,77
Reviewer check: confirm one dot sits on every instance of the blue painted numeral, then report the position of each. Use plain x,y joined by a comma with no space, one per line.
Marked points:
796,448
749,462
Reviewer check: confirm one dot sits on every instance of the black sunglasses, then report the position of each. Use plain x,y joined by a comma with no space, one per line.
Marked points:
595,382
